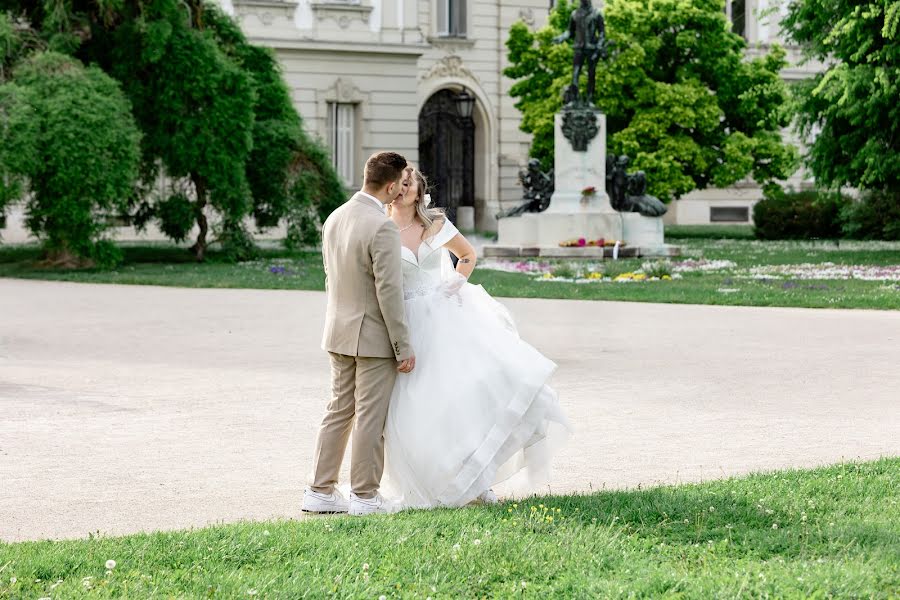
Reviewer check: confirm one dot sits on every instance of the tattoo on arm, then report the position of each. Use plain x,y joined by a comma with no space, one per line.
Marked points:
465,261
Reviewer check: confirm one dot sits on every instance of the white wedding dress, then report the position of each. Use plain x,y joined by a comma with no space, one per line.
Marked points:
476,410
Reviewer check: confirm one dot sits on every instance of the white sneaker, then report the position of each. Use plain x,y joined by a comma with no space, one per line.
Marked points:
314,502
369,506
488,497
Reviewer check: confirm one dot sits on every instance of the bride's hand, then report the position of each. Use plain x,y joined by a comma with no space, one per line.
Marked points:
453,284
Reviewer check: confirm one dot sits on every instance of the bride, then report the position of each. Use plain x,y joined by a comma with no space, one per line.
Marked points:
476,411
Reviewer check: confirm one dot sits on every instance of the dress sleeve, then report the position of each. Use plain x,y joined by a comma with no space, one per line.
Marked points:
447,233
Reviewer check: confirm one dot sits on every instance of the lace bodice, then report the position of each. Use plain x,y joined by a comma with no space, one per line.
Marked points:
423,273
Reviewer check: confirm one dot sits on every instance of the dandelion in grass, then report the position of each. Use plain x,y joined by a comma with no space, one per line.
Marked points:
476,542
712,509
774,525
13,579
251,592
365,566
110,564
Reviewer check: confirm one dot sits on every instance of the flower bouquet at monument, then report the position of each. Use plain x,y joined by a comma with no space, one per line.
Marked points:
598,243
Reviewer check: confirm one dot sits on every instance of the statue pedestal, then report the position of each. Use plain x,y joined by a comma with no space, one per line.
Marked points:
571,215
574,171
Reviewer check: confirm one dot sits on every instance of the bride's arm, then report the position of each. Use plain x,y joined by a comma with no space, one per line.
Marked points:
463,250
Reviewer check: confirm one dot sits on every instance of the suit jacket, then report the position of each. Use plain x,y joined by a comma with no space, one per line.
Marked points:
363,283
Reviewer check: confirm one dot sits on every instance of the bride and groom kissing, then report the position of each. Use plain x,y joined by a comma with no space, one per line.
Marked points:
428,373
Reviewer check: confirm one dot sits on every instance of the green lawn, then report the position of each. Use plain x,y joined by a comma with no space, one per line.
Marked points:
165,264
826,533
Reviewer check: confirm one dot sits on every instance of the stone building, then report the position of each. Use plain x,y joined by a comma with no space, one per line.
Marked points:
424,78
404,75
389,74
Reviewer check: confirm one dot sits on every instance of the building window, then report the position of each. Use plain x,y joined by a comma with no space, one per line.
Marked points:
729,214
451,18
736,10
342,131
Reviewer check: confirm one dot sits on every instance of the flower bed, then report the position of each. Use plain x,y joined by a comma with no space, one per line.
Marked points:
825,271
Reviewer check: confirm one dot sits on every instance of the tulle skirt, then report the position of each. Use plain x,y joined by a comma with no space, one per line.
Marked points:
476,410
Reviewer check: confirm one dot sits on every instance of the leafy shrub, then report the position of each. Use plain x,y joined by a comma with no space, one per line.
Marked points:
787,215
176,216
875,216
85,156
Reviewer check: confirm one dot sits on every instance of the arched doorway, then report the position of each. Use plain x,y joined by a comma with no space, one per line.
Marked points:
447,152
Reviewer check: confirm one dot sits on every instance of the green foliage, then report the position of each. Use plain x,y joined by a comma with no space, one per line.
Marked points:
875,216
176,216
217,117
852,107
657,268
288,171
678,95
279,268
19,133
788,215
80,155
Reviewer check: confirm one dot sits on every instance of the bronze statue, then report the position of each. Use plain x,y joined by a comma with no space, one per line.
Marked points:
587,30
538,188
628,193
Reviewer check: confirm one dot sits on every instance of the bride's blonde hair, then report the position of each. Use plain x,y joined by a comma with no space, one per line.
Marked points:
424,211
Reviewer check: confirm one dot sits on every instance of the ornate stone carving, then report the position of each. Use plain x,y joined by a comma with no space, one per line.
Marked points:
527,16
342,14
345,91
579,125
450,66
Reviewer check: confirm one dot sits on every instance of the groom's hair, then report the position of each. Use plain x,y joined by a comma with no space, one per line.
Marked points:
383,168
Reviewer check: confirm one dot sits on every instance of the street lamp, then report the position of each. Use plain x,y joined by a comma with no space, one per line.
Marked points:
465,102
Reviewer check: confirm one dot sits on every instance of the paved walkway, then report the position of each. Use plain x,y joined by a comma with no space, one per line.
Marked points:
139,408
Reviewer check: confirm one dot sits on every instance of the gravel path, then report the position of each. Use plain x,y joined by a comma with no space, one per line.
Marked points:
128,409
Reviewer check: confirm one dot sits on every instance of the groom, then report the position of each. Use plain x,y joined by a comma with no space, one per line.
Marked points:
366,338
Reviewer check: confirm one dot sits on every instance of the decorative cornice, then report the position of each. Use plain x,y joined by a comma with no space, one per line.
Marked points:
343,90
450,66
343,14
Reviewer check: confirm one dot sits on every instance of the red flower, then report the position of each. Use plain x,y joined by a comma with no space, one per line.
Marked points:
582,241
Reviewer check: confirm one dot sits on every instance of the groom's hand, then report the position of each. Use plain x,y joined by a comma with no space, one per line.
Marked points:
407,365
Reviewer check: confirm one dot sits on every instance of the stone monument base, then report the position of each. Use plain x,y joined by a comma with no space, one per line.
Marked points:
539,234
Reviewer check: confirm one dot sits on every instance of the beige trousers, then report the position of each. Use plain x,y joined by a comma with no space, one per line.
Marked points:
361,389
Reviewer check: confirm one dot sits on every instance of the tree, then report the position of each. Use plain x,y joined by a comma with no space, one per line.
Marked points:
73,137
853,107
679,97
290,175
217,118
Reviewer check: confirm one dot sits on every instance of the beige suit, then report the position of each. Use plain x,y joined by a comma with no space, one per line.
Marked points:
365,335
